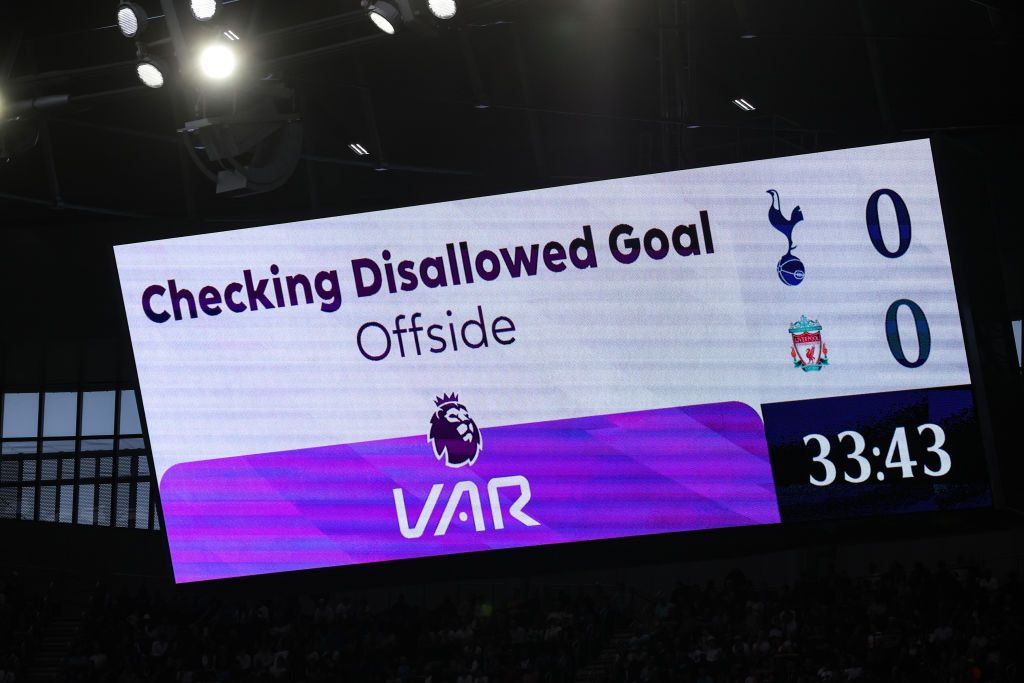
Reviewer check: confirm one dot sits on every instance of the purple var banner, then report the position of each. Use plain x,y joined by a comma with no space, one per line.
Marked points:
457,489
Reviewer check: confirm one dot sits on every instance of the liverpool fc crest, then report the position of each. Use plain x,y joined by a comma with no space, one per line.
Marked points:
808,351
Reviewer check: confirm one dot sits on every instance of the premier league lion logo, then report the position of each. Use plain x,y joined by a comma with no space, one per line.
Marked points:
454,435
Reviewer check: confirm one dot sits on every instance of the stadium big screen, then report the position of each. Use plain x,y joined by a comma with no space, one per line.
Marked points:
747,344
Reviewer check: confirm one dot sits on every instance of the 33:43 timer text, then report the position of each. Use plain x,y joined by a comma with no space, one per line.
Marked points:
862,461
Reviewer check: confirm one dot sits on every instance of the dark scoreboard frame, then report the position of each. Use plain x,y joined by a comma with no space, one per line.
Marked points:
998,407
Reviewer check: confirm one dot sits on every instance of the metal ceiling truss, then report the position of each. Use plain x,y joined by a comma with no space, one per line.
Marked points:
253,140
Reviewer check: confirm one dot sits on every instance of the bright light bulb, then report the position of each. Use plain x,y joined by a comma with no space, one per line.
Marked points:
127,21
381,22
442,9
149,74
203,10
217,61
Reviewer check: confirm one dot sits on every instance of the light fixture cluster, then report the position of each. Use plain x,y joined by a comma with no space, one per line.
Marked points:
217,60
132,21
247,142
390,16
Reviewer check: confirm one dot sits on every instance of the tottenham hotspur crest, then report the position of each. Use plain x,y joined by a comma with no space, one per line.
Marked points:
790,268
454,435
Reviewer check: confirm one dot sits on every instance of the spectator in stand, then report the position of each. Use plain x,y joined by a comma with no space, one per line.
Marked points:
905,627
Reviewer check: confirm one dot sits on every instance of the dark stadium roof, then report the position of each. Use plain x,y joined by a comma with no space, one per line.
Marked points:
516,94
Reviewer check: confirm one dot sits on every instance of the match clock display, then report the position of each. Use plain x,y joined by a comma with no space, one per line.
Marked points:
904,451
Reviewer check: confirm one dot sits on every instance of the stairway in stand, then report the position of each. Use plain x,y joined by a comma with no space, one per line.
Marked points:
600,669
53,645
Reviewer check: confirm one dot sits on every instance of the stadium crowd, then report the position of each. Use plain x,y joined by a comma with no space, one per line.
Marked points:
937,625
22,613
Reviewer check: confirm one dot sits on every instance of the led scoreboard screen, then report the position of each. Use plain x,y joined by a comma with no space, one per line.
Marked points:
746,344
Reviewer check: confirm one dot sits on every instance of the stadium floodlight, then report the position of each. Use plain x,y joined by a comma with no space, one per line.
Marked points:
203,10
385,16
443,9
131,19
217,61
151,72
